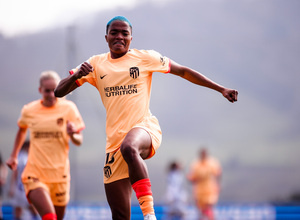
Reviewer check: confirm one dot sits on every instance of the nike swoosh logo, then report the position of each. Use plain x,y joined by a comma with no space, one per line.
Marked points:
101,77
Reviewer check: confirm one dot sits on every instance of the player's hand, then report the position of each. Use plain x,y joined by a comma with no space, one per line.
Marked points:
84,69
230,94
71,128
12,163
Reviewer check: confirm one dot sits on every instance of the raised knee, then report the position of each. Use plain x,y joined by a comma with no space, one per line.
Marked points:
128,152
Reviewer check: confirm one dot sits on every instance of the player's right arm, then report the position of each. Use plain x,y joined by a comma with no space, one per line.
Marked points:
68,84
12,161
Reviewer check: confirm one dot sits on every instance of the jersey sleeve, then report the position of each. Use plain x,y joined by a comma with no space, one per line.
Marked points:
90,78
23,120
157,62
192,169
75,117
217,170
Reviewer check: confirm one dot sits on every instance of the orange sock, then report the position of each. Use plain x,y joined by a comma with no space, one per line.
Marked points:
146,204
143,192
49,216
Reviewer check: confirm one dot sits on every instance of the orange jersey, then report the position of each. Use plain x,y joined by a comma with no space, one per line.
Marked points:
124,85
204,175
48,158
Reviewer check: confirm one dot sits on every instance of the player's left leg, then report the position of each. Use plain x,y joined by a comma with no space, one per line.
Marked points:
18,212
60,212
60,196
136,147
208,212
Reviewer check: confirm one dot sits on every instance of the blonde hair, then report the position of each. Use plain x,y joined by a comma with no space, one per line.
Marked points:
49,74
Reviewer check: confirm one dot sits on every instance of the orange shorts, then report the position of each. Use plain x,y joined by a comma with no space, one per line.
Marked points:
116,168
151,125
59,192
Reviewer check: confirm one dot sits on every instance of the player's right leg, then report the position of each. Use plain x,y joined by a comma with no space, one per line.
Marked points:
118,195
42,202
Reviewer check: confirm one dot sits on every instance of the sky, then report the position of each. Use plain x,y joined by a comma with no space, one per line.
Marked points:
30,16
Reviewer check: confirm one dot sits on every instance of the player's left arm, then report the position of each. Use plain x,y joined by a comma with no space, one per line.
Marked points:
75,135
199,79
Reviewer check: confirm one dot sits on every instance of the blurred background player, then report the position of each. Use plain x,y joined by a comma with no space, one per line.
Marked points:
123,77
176,195
205,175
16,190
52,123
3,176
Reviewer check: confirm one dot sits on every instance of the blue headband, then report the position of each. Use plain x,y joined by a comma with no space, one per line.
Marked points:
119,18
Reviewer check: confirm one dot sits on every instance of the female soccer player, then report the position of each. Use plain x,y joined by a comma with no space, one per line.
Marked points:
123,78
205,175
52,123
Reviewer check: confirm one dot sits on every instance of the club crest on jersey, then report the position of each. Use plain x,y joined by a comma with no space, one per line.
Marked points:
60,121
163,61
134,72
107,171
